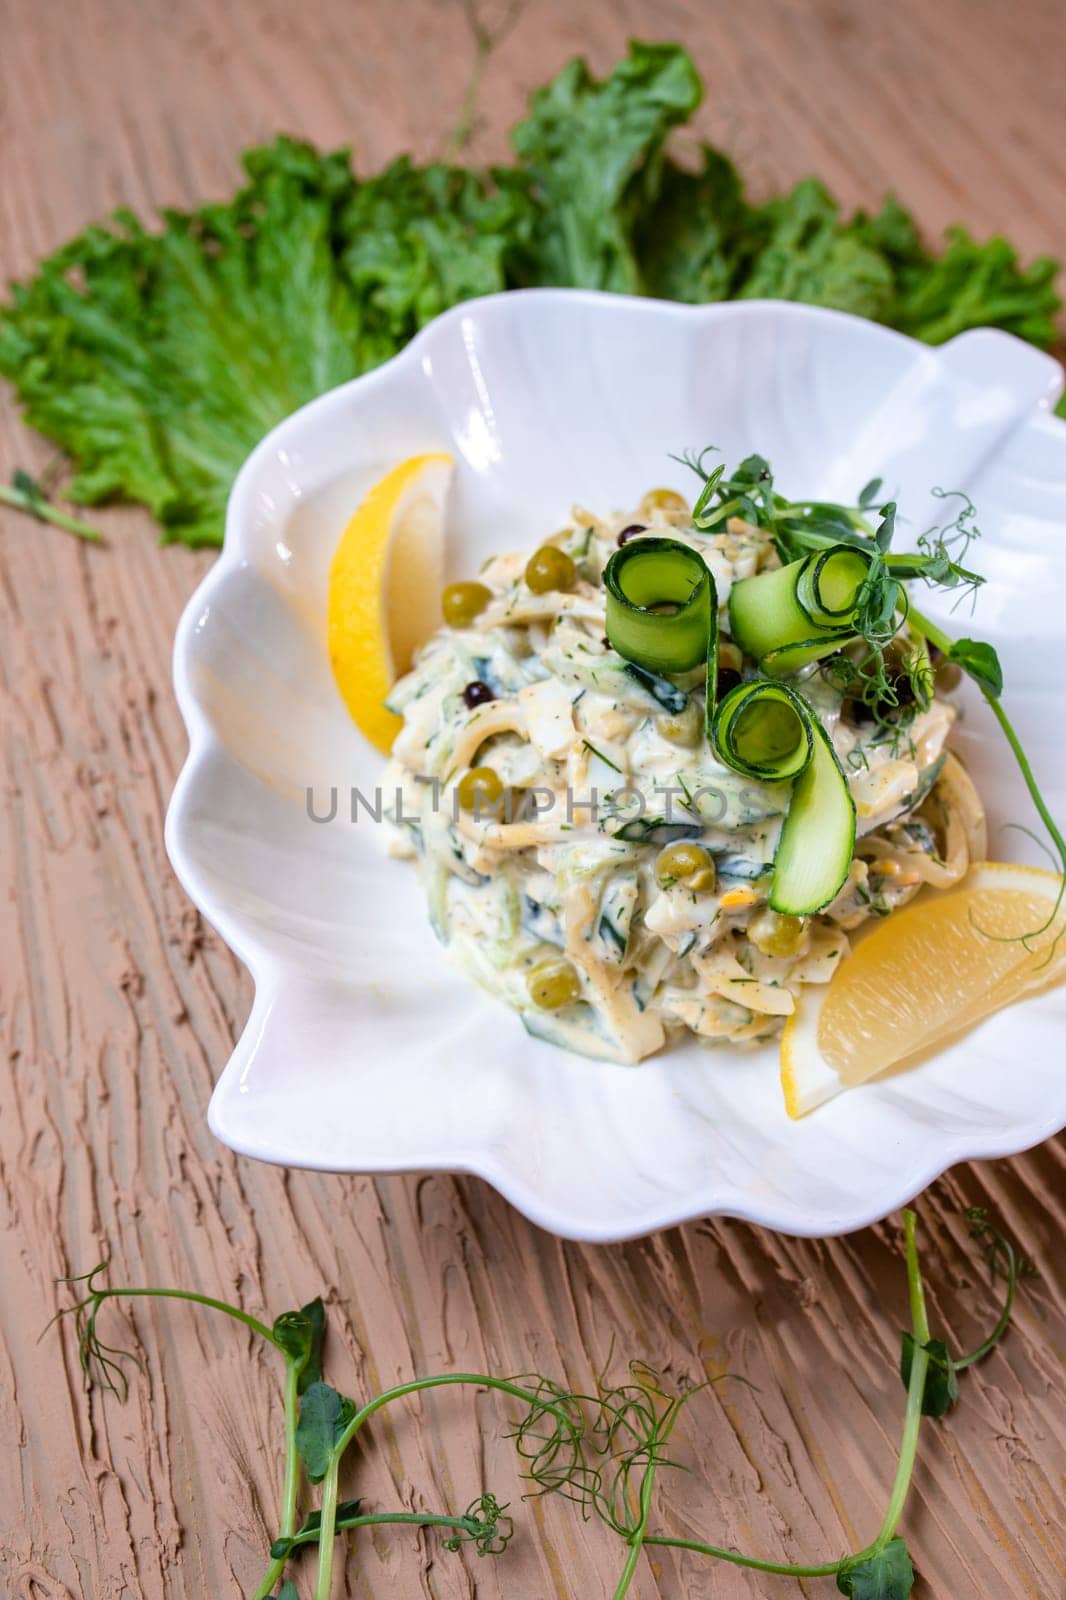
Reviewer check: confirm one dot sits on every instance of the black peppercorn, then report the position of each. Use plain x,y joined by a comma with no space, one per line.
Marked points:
859,712
476,694
728,678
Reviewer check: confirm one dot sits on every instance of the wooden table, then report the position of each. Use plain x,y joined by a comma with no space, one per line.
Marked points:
118,1007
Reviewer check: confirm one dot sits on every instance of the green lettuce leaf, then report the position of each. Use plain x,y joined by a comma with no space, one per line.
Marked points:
809,255
592,152
975,286
699,236
158,361
420,239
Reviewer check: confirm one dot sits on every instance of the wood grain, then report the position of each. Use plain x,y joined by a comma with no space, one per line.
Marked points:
118,1007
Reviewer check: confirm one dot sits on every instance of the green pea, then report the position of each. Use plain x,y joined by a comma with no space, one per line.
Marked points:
688,864
948,677
553,983
480,790
662,500
776,935
462,602
550,568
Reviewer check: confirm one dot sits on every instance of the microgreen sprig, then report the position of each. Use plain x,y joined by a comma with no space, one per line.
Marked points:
883,1569
601,1450
893,691
981,663
29,495
942,549
320,1424
296,1335
607,1464
1004,1264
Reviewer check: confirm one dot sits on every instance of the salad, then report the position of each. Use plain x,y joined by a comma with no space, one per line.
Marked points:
654,775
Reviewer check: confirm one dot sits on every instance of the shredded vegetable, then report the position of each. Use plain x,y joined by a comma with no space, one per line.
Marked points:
651,863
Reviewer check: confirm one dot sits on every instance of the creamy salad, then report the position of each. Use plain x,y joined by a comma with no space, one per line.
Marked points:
586,856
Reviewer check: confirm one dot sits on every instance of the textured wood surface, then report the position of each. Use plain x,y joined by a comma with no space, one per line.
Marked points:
117,1007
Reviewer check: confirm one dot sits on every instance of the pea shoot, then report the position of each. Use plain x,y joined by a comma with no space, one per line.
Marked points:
861,642
601,1450
32,496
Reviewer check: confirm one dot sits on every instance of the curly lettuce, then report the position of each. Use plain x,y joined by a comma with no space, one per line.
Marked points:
157,358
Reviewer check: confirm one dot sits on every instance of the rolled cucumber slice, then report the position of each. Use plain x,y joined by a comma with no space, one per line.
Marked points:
662,613
801,612
767,731
818,837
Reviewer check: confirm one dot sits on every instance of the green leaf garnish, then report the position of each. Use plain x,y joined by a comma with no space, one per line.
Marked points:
292,1335
972,285
592,155
28,494
308,1532
299,1335
324,1415
980,662
311,1371
886,1575
886,528
158,359
941,1382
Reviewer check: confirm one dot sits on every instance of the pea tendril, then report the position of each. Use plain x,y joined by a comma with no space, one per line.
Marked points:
30,495
893,678
602,1450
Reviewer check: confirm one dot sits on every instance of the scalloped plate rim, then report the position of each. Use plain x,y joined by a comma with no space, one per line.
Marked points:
268,971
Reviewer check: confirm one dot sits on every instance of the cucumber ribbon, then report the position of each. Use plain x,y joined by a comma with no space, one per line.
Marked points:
803,611
662,609
662,615
766,731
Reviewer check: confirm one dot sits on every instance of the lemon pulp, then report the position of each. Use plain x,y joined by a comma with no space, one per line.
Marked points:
921,977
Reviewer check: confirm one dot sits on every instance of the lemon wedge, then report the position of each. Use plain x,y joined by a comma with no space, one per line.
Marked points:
384,588
920,978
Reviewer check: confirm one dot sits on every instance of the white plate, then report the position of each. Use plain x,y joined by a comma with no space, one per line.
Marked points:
363,1051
